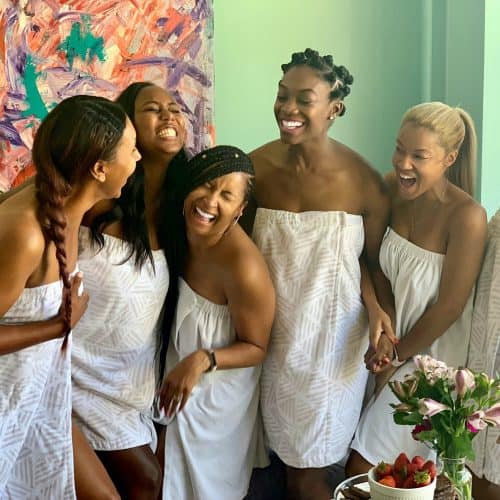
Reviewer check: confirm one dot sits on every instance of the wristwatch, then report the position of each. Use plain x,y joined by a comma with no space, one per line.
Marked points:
396,362
213,360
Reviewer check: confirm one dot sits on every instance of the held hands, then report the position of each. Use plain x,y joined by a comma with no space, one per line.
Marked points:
379,359
380,322
179,382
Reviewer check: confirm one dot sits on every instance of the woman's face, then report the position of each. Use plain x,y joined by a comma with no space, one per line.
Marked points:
123,162
419,160
161,130
216,205
303,106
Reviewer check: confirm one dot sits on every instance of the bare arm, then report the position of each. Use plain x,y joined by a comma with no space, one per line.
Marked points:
376,289
461,268
20,254
251,302
462,263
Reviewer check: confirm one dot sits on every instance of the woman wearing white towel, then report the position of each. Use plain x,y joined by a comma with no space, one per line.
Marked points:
432,255
320,206
84,151
113,360
220,308
484,356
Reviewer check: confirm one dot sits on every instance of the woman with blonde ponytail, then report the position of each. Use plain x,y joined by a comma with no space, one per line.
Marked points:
84,151
431,254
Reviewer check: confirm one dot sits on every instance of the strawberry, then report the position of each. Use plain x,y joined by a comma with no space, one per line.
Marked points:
383,469
388,481
401,464
418,461
408,482
430,467
422,478
399,479
411,468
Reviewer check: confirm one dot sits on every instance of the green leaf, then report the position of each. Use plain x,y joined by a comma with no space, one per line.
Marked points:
412,418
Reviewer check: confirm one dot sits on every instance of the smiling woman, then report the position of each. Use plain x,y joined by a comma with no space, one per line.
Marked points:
431,254
219,314
113,361
84,151
319,207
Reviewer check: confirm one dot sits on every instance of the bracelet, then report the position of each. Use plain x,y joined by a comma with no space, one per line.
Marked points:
213,360
396,362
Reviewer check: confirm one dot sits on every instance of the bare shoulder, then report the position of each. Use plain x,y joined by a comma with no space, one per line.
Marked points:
21,236
264,151
359,165
468,217
391,185
267,157
243,264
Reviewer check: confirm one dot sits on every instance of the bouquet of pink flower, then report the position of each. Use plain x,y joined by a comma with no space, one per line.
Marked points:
446,406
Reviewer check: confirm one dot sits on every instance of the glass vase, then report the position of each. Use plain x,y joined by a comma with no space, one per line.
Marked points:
459,475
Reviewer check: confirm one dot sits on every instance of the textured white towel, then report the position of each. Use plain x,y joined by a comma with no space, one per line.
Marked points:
415,275
36,455
314,378
214,442
113,359
484,352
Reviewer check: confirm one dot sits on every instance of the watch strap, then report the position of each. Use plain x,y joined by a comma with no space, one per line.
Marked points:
213,360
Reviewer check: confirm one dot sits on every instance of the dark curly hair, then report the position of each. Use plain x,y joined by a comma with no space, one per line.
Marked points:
338,76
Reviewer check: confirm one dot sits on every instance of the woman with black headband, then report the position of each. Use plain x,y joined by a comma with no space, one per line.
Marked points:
219,312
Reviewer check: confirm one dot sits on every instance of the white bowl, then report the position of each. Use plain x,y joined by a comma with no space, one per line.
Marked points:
381,492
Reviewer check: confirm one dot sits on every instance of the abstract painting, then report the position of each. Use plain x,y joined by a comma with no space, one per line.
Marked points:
53,49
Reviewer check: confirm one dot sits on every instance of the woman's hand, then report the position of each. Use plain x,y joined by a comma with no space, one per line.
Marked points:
179,382
79,300
379,359
379,323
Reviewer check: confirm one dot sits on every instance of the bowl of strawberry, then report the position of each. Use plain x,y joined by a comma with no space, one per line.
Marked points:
403,480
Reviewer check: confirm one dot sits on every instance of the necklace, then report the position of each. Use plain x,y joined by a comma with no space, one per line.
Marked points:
416,221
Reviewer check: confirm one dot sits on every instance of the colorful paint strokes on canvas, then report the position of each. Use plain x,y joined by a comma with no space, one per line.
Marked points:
50,50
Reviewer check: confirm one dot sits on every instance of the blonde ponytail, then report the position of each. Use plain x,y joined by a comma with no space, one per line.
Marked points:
456,132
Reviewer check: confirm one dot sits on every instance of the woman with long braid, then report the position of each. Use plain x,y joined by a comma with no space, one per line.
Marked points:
84,151
320,206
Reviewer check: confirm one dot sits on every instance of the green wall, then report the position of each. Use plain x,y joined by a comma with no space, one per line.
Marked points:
400,52
490,153
254,38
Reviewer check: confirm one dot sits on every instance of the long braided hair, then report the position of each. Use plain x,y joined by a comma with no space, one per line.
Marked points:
77,133
338,76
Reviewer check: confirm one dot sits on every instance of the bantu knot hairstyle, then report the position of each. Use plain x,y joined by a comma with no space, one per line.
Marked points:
338,76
